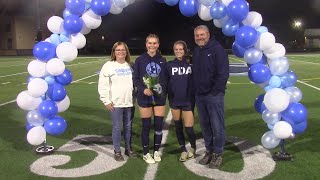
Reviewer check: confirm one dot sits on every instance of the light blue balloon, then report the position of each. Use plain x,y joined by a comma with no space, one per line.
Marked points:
50,79
274,81
64,37
270,126
171,2
55,39
267,88
262,29
206,2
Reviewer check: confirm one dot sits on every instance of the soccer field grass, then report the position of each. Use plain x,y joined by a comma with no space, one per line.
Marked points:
87,116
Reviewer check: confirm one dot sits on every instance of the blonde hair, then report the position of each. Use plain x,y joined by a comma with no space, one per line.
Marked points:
185,48
153,36
113,56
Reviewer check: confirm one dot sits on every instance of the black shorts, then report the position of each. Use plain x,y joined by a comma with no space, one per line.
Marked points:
182,108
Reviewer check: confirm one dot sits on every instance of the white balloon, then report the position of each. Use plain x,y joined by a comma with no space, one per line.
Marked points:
270,117
85,30
265,41
121,3
269,140
276,100
278,66
78,40
204,12
88,1
27,102
55,66
37,68
295,94
64,104
66,51
34,118
282,130
206,2
277,51
36,135
55,24
131,1
220,22
115,9
254,19
37,87
226,2
91,20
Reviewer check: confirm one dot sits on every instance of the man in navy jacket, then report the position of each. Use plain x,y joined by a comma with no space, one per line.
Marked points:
210,75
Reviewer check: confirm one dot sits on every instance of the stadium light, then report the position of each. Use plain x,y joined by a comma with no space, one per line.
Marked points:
297,24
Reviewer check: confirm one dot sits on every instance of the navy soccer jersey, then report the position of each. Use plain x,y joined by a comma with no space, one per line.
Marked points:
180,83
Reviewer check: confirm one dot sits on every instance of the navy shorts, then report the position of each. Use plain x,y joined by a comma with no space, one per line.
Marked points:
182,108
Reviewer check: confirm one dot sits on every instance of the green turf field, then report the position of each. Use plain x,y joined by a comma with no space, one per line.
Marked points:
87,116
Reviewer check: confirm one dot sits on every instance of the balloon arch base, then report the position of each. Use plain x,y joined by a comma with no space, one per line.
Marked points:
282,155
44,149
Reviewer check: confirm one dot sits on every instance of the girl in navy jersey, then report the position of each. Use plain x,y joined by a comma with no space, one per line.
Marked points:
181,98
151,100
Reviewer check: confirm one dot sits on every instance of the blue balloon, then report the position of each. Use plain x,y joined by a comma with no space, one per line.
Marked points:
299,128
274,81
55,125
288,79
259,104
246,36
100,7
238,10
75,7
66,13
238,50
55,39
48,108
230,28
171,2
295,112
29,126
218,10
65,78
188,7
56,92
259,73
44,51
72,24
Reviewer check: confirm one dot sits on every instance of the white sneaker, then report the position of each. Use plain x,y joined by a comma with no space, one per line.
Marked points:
148,159
157,156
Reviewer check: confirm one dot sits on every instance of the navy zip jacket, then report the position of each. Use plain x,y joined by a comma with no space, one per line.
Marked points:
210,69
180,83
153,66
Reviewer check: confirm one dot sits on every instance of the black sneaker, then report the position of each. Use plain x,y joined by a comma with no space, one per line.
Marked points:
118,156
130,153
216,161
206,159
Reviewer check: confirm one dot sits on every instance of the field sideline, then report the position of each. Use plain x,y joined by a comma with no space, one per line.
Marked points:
89,126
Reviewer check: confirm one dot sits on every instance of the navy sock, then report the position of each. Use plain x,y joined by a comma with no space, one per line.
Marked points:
158,123
192,136
145,134
179,133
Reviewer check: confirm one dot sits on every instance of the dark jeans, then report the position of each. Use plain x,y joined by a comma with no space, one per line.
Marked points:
211,113
121,115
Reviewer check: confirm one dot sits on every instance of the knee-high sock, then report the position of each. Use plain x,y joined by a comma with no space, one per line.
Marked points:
158,123
145,134
179,134
192,136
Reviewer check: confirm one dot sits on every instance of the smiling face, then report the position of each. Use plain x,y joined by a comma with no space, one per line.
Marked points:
152,45
120,53
201,36
178,51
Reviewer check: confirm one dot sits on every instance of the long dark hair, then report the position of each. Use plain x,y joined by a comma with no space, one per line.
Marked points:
186,50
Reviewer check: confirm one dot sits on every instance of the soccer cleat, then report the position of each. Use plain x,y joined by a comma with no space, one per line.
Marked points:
191,153
157,156
148,159
183,156
215,161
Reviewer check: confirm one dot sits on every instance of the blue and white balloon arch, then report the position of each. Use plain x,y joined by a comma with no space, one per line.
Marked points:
268,66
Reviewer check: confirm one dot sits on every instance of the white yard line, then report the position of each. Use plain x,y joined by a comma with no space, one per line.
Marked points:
304,61
237,59
13,74
153,168
6,83
314,87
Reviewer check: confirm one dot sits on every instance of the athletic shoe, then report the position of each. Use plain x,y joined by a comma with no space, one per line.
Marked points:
130,153
118,156
206,159
157,156
215,161
191,153
183,156
148,159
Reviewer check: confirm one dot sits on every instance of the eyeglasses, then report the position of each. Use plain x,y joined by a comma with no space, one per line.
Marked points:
120,50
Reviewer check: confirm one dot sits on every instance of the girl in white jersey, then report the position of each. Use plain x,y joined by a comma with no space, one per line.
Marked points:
115,88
